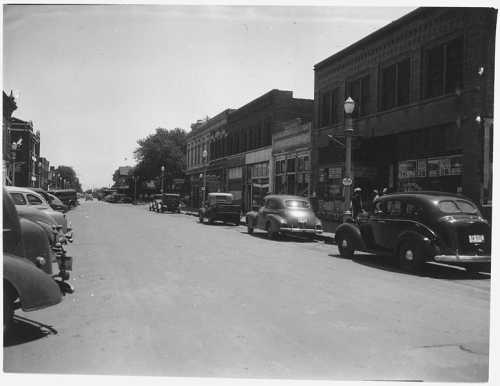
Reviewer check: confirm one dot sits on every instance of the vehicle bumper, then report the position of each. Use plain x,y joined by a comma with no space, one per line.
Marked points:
301,230
463,258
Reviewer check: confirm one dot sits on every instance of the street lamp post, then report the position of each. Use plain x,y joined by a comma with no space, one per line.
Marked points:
349,131
204,155
39,174
162,177
14,150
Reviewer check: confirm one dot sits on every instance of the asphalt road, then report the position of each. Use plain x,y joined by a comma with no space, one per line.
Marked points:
160,294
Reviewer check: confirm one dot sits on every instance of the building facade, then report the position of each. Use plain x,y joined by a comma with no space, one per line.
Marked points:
239,147
423,88
25,161
9,106
291,150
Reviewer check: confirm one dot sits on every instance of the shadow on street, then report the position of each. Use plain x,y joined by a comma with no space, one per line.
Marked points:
26,330
435,271
280,238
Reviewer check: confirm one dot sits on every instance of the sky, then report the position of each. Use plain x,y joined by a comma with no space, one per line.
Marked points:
94,79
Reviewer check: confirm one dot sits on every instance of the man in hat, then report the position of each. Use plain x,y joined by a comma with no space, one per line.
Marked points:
357,204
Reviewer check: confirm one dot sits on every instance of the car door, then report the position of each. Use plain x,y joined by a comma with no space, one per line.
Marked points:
394,223
373,228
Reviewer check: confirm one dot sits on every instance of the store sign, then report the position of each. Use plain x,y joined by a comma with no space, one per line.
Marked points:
407,169
431,167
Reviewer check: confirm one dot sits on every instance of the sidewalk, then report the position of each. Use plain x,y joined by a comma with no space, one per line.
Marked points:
328,236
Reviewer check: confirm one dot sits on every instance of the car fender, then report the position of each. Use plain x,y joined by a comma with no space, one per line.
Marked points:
353,231
425,241
35,288
251,218
276,221
36,243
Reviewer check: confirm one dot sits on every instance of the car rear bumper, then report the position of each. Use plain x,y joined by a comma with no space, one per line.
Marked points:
463,258
301,230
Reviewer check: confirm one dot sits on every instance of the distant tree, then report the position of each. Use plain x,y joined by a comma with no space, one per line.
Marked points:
163,148
69,174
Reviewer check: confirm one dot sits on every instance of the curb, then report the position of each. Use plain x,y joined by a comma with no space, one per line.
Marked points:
327,239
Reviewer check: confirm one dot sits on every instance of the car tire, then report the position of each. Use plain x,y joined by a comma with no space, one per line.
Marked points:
211,221
270,233
249,227
9,298
411,257
345,246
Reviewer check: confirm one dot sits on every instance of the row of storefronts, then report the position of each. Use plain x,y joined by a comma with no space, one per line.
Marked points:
423,120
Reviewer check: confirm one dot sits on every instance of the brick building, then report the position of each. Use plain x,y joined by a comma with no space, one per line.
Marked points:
27,154
9,106
423,87
238,144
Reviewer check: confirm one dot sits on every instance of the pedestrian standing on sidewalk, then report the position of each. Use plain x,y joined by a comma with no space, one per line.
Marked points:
357,203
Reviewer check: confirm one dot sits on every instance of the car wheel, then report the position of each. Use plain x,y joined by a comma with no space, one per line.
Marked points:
270,233
249,226
345,246
8,307
211,221
411,257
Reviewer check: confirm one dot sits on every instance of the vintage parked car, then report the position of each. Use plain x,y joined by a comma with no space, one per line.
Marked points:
418,227
170,202
118,198
155,202
285,215
220,207
27,198
54,202
67,196
28,279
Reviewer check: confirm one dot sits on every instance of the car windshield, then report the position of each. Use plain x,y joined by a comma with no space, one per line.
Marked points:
457,206
18,199
297,204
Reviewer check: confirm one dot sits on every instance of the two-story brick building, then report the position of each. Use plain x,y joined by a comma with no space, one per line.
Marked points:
27,154
238,145
423,87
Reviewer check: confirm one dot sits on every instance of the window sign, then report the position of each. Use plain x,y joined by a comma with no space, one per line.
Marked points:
335,173
433,165
407,169
421,168
456,165
444,167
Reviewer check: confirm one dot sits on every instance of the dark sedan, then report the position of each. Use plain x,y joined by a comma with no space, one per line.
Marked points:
421,226
285,215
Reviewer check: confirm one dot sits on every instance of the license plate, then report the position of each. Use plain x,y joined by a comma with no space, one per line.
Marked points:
473,239
67,263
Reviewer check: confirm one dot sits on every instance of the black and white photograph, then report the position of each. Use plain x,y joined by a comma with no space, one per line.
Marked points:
261,192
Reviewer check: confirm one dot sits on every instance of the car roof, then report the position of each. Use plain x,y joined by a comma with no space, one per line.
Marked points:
220,194
286,197
20,189
425,195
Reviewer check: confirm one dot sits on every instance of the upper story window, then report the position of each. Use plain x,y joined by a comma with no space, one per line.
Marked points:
395,85
359,91
329,108
443,68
